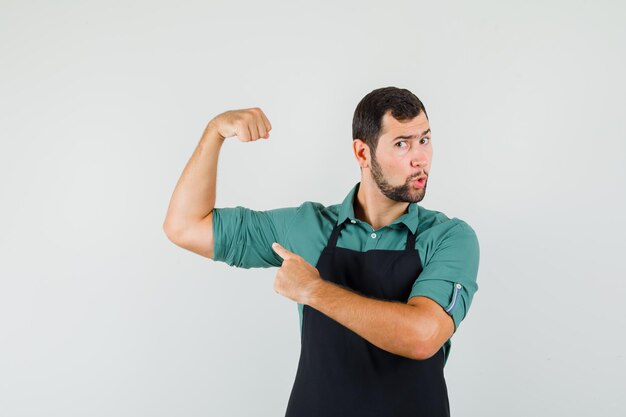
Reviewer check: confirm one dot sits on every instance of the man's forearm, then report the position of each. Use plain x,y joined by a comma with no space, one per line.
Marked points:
389,325
194,195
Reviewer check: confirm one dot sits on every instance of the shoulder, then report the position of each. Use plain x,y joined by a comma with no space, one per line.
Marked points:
437,231
316,210
433,221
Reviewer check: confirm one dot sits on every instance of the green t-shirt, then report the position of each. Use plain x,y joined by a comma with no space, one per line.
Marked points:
448,248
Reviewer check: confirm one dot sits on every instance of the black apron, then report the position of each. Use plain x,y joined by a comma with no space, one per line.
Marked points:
342,374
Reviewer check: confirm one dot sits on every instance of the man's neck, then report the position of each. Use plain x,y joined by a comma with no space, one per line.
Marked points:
373,207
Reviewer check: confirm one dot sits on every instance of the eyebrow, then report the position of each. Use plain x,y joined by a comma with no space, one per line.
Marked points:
412,136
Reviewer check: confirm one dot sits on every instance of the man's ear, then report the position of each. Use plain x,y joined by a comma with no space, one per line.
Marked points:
361,153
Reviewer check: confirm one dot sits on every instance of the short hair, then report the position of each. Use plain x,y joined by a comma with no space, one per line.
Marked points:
368,115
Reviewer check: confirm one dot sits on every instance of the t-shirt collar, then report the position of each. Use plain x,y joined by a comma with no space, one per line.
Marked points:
346,211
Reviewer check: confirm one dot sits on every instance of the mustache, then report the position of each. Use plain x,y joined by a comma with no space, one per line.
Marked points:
416,176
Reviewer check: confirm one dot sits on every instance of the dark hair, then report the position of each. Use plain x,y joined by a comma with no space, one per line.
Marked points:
368,116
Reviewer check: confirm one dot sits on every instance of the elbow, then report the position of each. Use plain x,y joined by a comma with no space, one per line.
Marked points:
173,233
423,351
424,344
194,238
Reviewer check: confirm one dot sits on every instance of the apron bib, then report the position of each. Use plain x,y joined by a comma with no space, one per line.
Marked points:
340,373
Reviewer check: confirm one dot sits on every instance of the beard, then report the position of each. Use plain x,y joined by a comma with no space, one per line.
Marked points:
404,193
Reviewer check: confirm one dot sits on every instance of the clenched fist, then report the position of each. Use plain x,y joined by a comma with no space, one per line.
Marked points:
247,124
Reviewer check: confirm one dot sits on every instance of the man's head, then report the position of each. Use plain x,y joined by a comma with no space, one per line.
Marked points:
391,139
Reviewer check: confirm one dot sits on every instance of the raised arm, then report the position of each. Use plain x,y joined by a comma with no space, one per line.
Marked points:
189,219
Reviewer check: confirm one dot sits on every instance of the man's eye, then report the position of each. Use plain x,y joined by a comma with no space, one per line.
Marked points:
426,140
402,141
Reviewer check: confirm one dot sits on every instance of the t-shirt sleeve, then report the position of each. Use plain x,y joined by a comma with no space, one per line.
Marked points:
243,237
449,275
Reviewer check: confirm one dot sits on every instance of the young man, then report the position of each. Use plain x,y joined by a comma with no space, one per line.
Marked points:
381,283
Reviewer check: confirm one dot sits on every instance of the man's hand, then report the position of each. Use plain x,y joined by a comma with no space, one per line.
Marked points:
296,279
247,124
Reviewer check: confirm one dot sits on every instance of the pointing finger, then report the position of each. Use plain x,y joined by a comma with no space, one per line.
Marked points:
282,252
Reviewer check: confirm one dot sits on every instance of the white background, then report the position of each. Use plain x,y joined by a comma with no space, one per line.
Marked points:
102,104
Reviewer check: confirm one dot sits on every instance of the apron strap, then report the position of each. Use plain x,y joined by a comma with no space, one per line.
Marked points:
332,241
410,241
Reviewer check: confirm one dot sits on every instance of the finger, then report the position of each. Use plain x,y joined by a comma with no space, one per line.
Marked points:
282,252
261,128
254,131
243,133
268,125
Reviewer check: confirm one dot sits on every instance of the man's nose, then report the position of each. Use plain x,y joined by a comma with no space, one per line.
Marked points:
419,158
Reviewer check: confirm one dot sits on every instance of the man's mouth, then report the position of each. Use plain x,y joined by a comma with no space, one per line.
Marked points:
419,182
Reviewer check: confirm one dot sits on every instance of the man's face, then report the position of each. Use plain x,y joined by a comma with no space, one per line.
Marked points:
402,157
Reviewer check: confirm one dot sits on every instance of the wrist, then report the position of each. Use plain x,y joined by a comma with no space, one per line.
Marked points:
211,132
316,292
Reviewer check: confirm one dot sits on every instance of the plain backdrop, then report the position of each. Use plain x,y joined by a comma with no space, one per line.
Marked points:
103,103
